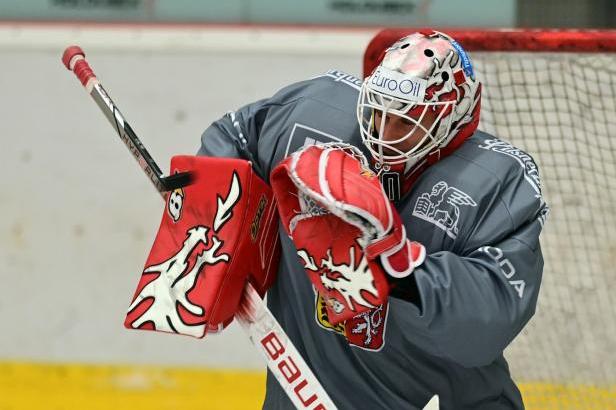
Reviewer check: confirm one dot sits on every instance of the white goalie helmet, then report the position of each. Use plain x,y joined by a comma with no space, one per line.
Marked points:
423,76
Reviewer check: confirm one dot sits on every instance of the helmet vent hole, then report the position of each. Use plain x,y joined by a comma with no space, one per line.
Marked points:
405,45
428,52
445,76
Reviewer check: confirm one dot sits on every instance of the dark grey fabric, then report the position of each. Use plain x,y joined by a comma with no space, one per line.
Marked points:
479,213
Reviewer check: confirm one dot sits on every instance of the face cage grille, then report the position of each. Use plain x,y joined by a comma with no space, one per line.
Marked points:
438,132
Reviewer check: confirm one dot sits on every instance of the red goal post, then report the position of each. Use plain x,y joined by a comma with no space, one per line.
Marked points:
552,93
562,41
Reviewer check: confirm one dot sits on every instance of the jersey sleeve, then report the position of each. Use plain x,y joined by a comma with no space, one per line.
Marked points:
236,135
468,306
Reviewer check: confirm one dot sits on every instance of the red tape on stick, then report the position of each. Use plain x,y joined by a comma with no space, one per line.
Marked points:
81,68
83,71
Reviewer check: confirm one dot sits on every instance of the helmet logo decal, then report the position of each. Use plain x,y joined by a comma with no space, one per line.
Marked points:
397,84
466,62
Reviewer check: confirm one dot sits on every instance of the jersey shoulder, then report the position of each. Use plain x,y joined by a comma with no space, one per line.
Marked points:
318,110
504,161
335,89
479,194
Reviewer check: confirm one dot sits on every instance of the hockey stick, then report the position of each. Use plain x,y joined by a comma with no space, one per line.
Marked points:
283,359
74,59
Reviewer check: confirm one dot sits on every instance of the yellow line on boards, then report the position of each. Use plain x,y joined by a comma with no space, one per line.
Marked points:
552,396
93,387
25,386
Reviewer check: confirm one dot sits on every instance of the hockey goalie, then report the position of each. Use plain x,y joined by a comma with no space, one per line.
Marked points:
406,255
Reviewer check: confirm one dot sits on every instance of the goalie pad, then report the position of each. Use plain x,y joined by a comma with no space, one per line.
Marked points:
346,231
215,234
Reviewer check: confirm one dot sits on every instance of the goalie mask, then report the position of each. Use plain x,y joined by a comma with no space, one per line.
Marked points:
422,98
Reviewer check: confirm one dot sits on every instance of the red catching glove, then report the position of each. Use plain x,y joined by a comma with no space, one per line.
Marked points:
346,231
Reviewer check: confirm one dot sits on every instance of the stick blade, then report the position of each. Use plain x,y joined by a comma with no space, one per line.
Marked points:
179,180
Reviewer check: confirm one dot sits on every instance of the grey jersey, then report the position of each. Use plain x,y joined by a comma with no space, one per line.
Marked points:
478,212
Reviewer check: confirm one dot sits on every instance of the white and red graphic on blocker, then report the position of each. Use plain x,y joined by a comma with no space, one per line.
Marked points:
169,291
194,275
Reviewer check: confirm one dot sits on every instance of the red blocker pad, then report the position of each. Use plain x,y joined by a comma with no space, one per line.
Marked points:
215,234
331,249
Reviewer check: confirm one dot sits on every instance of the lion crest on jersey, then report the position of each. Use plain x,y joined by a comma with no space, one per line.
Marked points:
366,330
441,207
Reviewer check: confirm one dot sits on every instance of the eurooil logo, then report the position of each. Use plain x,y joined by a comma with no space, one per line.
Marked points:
396,84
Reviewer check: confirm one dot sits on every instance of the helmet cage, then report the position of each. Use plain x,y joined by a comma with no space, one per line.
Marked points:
370,101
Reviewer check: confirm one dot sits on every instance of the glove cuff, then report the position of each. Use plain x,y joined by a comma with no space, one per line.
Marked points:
400,263
398,256
392,241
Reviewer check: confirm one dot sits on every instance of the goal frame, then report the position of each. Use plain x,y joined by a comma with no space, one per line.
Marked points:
577,172
522,40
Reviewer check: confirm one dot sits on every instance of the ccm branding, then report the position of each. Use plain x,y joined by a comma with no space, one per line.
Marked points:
397,84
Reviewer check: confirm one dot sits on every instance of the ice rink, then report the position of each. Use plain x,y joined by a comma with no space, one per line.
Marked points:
79,217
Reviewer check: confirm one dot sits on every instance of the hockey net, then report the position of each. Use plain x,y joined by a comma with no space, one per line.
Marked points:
553,94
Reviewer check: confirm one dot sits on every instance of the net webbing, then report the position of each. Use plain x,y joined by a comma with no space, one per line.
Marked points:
560,107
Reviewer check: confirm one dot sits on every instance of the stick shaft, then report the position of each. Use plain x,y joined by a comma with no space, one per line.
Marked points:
128,136
265,333
74,60
283,359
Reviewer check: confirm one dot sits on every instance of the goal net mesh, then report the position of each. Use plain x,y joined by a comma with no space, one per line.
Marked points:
560,107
